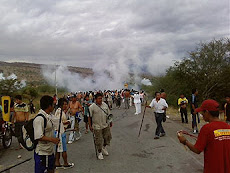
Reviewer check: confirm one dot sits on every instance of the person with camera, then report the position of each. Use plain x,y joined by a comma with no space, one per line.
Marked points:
183,102
99,124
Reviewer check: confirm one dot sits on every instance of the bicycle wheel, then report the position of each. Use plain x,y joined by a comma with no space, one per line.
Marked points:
7,138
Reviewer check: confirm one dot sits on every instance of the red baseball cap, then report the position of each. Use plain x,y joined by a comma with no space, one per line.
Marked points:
208,105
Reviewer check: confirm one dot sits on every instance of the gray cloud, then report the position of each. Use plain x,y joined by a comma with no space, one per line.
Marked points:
89,33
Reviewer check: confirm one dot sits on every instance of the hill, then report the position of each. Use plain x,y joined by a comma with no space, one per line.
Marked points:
32,73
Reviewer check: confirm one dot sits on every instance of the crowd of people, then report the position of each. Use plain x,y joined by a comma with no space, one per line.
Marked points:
65,114
57,116
183,104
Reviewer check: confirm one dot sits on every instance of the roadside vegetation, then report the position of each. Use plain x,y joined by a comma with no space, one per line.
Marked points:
206,68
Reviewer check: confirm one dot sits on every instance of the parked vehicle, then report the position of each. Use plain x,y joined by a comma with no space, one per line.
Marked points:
5,133
5,125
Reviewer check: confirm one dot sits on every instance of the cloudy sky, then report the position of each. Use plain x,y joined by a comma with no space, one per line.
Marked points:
147,34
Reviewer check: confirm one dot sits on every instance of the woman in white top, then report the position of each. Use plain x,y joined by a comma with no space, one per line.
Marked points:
137,102
62,147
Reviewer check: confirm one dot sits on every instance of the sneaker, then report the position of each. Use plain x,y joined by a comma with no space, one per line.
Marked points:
70,165
59,167
194,132
100,156
162,134
105,151
156,137
77,138
70,142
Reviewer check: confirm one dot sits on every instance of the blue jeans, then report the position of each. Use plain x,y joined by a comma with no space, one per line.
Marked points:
159,119
63,138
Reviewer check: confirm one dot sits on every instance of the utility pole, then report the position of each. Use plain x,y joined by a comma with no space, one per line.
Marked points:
56,78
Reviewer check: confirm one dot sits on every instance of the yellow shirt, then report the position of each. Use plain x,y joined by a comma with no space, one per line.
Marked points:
181,101
21,107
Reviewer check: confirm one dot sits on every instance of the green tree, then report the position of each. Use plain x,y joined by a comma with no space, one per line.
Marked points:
30,92
207,68
9,86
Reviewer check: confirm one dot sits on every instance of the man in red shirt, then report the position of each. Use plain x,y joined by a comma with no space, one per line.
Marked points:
214,140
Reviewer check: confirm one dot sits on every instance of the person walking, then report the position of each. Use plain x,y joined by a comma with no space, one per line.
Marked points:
160,106
126,98
62,146
137,102
86,104
44,151
109,100
100,125
195,115
118,100
142,97
75,108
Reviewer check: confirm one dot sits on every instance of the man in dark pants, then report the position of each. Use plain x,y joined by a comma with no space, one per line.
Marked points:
32,108
194,105
21,115
183,102
160,106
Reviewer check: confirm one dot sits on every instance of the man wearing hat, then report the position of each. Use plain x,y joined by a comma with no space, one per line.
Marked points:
213,139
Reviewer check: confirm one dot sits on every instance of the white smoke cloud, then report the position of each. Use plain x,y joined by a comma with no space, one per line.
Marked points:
23,83
13,76
101,80
124,66
2,76
146,82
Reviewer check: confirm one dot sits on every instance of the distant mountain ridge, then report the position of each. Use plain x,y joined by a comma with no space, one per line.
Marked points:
32,72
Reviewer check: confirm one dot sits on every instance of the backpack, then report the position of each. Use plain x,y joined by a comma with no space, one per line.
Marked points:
27,134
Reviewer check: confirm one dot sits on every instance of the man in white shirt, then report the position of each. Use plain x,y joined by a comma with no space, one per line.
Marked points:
160,106
43,132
